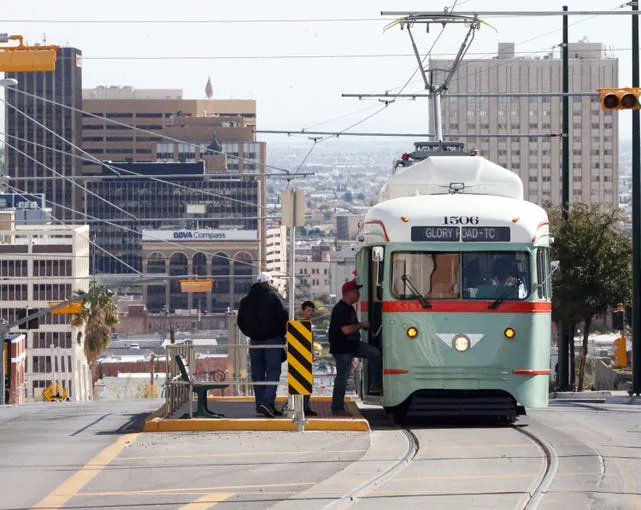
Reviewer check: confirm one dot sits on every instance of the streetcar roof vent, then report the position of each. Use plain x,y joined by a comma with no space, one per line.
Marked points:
443,174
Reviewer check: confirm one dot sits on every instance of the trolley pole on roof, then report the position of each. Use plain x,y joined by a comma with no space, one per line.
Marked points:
636,213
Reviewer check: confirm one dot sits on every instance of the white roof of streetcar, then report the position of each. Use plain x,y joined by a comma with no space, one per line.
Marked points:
426,193
436,175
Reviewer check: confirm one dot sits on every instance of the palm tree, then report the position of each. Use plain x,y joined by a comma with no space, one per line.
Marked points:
99,316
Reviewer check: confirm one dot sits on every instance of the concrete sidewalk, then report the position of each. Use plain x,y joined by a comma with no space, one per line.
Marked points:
599,397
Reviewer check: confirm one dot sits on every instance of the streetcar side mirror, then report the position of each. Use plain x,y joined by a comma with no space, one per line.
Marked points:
554,265
378,254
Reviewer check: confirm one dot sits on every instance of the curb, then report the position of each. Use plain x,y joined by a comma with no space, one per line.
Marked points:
253,425
155,422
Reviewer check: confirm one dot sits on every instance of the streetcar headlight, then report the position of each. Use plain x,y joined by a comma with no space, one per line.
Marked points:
461,343
509,333
412,332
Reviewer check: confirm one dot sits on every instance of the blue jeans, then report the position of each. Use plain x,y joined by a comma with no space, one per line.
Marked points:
344,367
265,367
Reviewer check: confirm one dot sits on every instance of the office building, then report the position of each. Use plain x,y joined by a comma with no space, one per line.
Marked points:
180,221
533,150
48,264
276,256
34,154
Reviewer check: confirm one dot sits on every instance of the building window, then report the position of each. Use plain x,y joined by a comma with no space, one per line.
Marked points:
51,291
52,268
13,293
13,268
41,364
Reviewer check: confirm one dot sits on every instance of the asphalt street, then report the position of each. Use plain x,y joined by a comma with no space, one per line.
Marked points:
90,455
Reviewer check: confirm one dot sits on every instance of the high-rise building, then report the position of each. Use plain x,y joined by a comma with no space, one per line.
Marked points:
276,256
35,156
535,122
219,133
46,264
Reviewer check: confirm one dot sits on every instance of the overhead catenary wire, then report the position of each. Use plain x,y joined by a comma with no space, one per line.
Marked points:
500,63
74,183
121,227
146,131
135,175
92,158
72,229
116,169
182,246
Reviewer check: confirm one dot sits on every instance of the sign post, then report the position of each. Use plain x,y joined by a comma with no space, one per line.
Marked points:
292,216
300,378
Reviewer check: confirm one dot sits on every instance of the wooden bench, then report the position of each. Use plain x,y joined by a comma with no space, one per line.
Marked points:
202,388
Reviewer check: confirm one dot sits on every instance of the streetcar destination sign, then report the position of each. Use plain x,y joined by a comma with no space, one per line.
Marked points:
485,234
435,233
475,234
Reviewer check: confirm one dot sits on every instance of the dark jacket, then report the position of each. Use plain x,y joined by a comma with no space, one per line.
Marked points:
261,313
340,343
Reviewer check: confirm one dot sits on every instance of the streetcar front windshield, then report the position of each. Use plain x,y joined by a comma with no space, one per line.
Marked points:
461,275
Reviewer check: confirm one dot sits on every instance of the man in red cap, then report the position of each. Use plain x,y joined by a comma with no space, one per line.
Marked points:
345,344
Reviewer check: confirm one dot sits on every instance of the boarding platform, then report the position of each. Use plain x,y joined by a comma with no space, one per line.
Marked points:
200,401
240,415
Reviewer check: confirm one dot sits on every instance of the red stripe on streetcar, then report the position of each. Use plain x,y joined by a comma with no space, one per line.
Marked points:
379,222
545,371
443,306
542,224
395,371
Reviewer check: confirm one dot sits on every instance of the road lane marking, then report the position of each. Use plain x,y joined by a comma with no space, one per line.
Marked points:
70,487
207,501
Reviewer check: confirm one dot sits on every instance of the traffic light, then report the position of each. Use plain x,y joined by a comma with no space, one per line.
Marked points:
617,320
620,352
22,313
620,99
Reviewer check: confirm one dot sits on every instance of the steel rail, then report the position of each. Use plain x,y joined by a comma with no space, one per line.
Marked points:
548,473
352,497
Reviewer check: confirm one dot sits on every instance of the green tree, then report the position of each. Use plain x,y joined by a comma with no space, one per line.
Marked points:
99,316
596,267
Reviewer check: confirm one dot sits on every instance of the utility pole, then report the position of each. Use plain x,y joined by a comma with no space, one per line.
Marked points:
566,329
636,213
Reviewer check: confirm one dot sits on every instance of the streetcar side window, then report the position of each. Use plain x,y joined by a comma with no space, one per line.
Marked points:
434,275
544,290
492,275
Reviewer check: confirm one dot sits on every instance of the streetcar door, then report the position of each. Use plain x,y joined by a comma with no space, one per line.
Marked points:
375,299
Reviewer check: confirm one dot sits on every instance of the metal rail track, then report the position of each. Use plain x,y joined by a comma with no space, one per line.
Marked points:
552,465
413,446
530,502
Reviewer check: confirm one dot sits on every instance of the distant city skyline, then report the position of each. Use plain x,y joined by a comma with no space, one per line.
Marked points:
298,68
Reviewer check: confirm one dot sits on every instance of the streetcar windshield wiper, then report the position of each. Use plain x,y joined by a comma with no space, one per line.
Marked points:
512,290
421,299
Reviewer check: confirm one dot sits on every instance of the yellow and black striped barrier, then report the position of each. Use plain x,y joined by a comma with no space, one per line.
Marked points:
299,357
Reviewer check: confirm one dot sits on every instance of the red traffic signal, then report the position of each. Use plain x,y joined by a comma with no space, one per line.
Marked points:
620,99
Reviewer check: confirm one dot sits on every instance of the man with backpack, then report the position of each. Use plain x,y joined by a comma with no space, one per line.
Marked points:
263,318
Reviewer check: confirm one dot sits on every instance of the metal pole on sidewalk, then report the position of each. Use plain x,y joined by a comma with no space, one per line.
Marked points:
636,212
564,333
3,334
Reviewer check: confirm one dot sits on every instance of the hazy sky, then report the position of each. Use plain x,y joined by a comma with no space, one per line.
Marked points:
256,60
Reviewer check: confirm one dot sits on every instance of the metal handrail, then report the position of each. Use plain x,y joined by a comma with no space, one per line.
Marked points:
178,392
